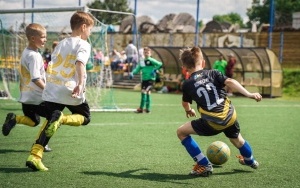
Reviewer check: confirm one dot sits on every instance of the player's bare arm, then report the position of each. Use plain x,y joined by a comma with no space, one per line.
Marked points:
80,72
40,83
236,86
188,110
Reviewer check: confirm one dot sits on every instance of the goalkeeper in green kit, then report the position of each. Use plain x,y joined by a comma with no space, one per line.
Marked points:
148,68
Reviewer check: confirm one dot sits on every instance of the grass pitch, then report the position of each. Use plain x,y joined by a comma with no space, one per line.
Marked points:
124,149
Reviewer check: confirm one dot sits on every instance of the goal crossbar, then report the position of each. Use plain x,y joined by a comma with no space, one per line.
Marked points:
35,10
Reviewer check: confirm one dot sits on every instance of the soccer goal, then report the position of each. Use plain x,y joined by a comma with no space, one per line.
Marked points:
99,92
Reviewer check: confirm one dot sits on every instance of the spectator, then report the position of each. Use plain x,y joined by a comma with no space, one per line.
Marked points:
123,59
220,64
185,76
115,60
98,56
46,57
229,70
132,55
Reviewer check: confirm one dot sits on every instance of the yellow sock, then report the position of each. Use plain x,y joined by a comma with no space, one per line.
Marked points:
72,120
37,150
24,120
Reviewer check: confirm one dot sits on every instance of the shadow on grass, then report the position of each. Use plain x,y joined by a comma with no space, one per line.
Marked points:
171,178
235,171
14,170
3,151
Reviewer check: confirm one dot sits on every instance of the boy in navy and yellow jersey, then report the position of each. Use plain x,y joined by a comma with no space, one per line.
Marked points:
206,88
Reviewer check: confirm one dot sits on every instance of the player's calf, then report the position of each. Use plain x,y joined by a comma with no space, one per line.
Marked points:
53,123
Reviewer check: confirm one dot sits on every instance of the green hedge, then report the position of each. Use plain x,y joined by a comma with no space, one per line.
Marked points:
291,82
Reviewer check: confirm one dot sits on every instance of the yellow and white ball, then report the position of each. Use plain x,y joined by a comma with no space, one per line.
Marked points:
218,153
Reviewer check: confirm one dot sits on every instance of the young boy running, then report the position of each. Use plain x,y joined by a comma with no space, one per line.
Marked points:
206,88
66,79
148,69
32,82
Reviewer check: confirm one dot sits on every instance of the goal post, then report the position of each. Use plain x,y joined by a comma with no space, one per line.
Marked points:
13,40
13,22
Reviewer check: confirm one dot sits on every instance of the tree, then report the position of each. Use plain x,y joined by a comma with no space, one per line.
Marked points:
233,18
284,10
113,5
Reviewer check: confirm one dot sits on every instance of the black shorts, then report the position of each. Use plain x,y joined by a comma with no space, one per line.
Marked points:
147,85
82,109
34,111
202,128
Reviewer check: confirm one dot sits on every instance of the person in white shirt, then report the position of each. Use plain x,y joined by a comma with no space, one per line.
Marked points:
115,60
132,55
66,79
32,82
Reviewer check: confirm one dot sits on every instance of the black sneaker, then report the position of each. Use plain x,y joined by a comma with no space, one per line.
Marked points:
147,110
9,123
139,110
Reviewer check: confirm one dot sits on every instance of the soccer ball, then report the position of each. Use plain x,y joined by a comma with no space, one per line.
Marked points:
218,153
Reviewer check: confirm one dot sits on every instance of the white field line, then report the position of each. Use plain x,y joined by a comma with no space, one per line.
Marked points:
235,105
122,105
130,123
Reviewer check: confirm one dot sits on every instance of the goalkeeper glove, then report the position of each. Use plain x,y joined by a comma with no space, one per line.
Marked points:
131,75
153,73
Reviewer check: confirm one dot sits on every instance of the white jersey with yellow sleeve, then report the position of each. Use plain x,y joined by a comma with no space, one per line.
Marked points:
31,68
61,71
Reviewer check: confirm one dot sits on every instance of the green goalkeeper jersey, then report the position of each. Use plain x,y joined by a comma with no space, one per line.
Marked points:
148,69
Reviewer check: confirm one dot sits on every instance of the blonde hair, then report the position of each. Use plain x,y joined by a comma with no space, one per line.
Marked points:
79,18
190,57
34,29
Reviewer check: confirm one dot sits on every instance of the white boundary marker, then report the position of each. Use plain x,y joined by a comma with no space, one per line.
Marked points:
113,110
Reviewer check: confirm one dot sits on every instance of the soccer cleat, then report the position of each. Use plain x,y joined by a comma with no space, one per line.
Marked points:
47,148
147,111
139,110
254,165
54,123
35,164
9,123
204,171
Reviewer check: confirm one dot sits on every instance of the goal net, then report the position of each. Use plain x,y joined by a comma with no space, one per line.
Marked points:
13,22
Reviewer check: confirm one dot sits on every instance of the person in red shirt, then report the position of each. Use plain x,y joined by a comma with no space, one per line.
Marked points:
229,70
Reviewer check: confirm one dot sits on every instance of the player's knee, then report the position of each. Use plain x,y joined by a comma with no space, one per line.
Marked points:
36,123
180,133
86,120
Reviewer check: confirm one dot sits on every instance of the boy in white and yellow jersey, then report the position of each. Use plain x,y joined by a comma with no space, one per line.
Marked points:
32,82
66,77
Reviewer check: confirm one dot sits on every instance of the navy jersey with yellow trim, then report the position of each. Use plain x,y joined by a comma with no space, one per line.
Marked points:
206,88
